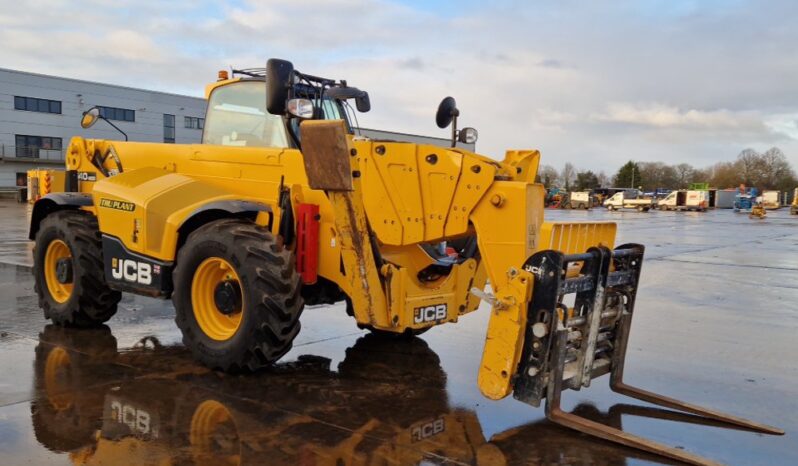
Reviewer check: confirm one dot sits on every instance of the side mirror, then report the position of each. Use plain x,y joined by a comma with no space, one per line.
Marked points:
447,111
90,117
279,77
363,103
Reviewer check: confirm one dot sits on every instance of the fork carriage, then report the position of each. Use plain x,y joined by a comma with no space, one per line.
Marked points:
567,347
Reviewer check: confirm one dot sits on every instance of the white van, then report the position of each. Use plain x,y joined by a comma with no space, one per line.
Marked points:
685,200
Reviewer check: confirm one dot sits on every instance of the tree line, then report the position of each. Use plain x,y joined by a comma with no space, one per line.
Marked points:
769,170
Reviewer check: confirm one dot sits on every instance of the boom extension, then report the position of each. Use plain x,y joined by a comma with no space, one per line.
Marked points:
567,347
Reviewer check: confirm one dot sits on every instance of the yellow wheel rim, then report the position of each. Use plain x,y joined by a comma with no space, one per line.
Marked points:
56,250
214,436
215,324
56,369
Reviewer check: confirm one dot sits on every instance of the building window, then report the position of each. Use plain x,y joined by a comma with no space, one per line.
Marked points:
32,104
168,128
38,147
194,122
119,114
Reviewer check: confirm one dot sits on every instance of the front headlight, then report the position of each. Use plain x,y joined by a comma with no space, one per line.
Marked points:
302,108
468,135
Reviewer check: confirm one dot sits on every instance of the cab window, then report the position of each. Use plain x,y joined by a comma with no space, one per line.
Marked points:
237,116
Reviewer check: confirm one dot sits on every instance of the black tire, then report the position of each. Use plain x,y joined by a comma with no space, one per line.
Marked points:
91,302
610,207
270,292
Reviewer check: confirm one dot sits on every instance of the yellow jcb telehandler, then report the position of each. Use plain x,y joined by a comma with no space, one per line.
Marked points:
284,204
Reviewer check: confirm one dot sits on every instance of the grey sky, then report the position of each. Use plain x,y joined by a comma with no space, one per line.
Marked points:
595,83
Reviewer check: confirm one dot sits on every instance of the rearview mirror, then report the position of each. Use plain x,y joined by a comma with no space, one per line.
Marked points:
279,76
363,103
90,117
447,111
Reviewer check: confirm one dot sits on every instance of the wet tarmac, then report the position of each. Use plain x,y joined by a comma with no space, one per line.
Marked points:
716,317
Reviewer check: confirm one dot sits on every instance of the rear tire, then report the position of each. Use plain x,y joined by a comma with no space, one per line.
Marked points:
86,300
262,324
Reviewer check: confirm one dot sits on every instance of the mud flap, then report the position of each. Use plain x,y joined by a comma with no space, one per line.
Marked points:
566,346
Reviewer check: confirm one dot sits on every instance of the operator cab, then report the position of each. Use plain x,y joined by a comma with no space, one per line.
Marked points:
264,107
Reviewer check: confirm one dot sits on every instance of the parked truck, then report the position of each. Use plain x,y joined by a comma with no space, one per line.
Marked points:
685,200
629,200
794,204
282,206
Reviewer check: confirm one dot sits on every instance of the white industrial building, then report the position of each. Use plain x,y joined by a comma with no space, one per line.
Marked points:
39,114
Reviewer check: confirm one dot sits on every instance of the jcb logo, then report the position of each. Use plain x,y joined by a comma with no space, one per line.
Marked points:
429,313
131,271
428,429
135,419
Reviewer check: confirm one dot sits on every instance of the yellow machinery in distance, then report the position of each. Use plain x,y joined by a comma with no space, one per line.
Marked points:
283,204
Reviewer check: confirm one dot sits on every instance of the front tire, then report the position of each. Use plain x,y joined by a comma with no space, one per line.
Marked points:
69,273
237,296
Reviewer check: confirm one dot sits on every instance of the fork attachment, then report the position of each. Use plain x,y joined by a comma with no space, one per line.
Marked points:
568,346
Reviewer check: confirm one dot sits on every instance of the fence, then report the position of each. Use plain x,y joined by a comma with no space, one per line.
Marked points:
30,153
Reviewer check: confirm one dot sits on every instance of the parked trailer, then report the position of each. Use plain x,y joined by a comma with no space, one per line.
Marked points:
578,200
725,198
685,200
771,200
623,200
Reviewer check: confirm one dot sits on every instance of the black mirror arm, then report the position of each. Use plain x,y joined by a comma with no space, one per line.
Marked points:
113,125
454,129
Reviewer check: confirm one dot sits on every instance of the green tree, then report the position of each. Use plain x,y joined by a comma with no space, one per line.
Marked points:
628,176
586,180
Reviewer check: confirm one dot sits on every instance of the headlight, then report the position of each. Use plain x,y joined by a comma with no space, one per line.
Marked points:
468,136
302,108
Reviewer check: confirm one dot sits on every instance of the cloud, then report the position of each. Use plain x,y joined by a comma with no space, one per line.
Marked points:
551,63
665,116
686,80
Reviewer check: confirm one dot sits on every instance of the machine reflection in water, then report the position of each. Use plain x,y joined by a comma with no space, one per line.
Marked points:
152,405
